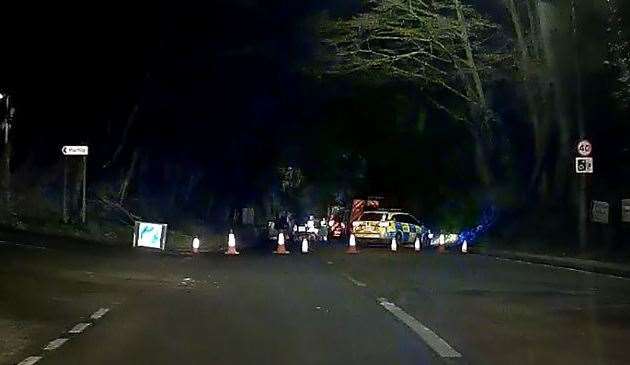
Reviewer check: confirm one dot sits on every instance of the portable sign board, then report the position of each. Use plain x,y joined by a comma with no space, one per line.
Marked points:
151,235
625,210
584,148
75,150
584,165
599,212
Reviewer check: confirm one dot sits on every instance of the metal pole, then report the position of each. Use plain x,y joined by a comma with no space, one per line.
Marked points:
84,209
583,216
65,189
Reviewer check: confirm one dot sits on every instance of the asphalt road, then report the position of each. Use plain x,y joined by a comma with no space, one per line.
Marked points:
326,307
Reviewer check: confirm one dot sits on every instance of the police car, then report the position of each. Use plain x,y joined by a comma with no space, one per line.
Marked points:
381,226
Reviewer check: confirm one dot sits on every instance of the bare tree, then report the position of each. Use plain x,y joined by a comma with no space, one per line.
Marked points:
124,187
442,45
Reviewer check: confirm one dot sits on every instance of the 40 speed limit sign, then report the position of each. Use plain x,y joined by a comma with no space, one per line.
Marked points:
584,148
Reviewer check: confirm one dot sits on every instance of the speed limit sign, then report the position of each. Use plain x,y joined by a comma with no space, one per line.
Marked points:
584,148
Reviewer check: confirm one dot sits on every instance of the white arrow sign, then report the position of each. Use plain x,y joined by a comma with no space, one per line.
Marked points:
75,150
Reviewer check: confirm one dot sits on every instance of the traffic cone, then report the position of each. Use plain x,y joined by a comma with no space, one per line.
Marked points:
465,247
195,245
352,245
305,246
231,244
394,245
281,250
416,244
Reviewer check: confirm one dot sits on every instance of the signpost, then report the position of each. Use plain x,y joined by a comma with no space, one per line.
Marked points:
584,168
584,148
75,151
625,210
584,165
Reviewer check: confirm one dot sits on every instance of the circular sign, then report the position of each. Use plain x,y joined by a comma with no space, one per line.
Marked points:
584,148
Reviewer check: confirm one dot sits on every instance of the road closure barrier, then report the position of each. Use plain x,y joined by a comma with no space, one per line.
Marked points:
352,245
304,245
231,244
281,250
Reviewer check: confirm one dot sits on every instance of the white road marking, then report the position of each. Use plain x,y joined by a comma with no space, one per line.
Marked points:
79,328
429,337
559,267
99,313
355,281
55,344
6,243
30,360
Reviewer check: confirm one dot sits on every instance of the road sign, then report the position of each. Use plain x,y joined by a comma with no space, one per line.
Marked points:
625,210
75,150
584,165
584,148
600,210
152,235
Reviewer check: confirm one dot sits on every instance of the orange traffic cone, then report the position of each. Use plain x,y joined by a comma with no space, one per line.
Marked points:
231,244
416,245
352,245
394,245
281,250
465,247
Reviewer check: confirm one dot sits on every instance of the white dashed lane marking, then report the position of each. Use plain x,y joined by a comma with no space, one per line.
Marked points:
99,313
79,328
30,360
25,245
55,344
355,281
429,337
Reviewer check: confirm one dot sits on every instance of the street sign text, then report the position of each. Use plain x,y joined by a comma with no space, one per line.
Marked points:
75,150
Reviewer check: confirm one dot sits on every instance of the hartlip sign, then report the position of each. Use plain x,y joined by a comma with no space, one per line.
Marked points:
75,150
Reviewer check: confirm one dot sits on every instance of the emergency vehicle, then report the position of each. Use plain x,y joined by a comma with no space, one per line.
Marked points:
380,226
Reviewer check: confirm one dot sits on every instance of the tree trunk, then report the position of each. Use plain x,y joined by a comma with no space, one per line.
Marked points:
582,186
534,29
481,161
480,119
481,96
6,175
547,13
124,187
531,87
130,120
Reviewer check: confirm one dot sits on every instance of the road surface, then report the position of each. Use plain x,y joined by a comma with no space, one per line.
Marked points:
326,307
